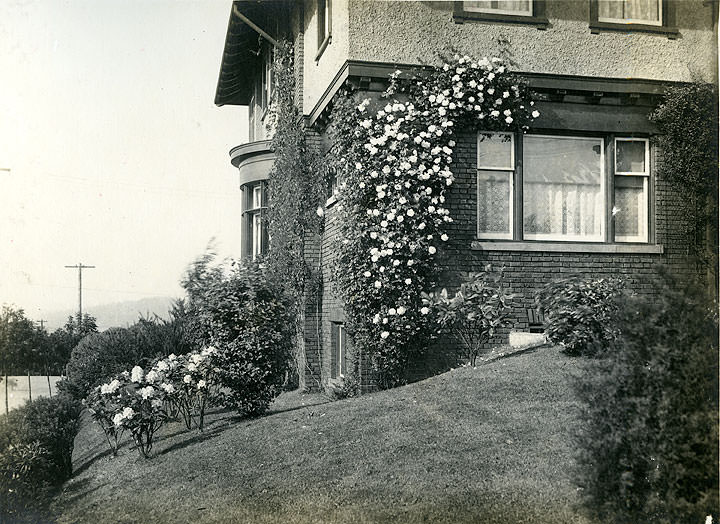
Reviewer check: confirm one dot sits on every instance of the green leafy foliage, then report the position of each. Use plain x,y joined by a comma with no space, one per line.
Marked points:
394,160
36,443
247,318
580,313
687,120
99,356
649,424
479,308
296,187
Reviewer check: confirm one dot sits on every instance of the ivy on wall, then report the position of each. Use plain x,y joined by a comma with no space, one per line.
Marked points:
295,189
687,119
394,158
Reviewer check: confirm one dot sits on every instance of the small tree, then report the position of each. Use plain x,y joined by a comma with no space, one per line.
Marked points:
478,309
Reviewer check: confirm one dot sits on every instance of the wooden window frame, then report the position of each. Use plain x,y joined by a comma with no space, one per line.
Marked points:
608,188
647,183
537,19
666,27
324,26
250,213
338,347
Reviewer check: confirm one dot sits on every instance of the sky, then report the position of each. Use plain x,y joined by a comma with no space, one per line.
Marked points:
112,152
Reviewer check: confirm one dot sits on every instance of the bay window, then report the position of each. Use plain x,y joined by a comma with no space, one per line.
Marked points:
255,230
560,188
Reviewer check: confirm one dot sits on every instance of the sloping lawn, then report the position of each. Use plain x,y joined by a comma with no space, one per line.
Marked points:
472,445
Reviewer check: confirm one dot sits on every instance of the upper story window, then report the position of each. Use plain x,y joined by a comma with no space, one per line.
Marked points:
655,16
501,7
630,11
563,189
324,26
511,11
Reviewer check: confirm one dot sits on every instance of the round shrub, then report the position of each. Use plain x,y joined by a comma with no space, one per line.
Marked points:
99,356
649,436
36,443
579,313
243,314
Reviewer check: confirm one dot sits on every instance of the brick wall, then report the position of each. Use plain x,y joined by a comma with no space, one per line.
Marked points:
525,272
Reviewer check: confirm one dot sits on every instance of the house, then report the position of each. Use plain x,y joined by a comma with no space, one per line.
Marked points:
577,193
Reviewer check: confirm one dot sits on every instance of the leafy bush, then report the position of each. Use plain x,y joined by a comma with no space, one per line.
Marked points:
36,443
240,312
579,313
101,355
649,437
474,314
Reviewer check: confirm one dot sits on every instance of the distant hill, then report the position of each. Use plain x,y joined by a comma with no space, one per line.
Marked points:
119,314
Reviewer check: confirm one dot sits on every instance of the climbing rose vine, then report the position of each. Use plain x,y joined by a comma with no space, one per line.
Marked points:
394,157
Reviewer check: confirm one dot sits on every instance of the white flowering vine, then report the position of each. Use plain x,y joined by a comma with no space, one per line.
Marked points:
396,160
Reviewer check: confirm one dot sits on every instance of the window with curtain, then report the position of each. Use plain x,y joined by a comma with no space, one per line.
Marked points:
502,7
496,169
563,188
647,12
631,178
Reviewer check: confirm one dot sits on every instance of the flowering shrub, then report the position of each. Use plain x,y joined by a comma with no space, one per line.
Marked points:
141,402
474,314
580,313
247,318
396,165
198,386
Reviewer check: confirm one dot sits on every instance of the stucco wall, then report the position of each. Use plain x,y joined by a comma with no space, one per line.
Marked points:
410,32
319,74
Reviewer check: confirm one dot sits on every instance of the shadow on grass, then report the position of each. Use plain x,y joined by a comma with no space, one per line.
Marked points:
78,490
89,462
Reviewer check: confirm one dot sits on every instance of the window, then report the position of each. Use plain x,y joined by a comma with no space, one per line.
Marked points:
503,11
502,7
562,189
630,11
339,349
563,193
256,237
496,169
632,160
324,26
655,16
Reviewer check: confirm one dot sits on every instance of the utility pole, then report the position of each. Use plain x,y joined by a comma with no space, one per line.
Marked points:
47,359
80,267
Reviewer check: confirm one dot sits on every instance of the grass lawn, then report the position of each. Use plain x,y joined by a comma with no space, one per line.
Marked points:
472,445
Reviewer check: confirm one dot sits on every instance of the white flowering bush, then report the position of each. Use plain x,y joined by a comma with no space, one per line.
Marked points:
103,403
195,386
140,402
395,161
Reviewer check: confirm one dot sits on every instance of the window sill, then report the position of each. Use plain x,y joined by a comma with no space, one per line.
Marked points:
322,47
670,32
538,21
567,247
